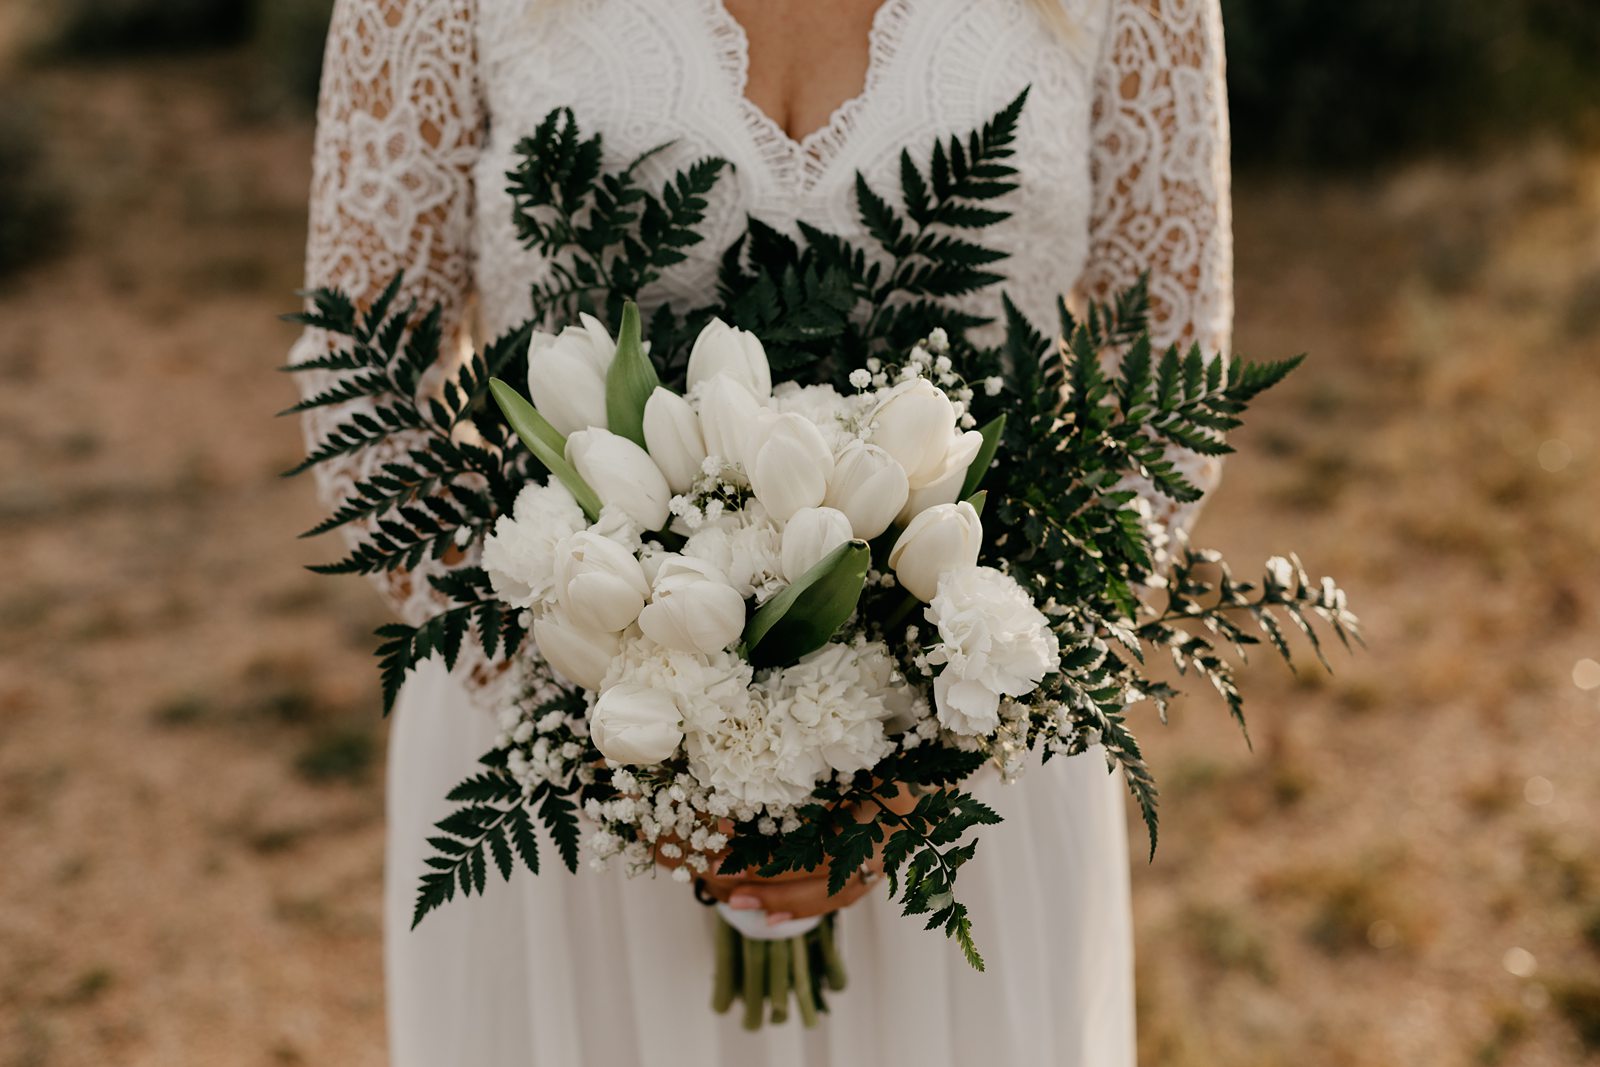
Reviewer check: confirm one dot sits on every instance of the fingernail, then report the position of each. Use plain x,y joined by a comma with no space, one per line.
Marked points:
744,902
778,917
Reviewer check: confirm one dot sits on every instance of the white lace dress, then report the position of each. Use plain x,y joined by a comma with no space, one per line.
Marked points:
1123,155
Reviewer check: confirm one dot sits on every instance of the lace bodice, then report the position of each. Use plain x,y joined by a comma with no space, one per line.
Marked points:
1123,150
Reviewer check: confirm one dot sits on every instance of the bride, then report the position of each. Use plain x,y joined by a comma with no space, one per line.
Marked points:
1123,156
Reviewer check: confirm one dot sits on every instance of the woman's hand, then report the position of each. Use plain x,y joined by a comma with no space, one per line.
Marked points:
801,894
794,895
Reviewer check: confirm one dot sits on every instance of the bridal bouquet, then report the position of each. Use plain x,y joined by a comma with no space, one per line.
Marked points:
799,564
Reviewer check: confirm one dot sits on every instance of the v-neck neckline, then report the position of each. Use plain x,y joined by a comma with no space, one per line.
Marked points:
810,154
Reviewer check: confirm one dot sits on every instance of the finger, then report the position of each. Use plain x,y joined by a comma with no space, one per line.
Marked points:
724,886
760,894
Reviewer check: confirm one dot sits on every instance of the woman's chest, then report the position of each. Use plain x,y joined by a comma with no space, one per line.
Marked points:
643,73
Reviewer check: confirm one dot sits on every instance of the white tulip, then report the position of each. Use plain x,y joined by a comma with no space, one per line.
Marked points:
636,724
731,419
578,655
869,486
621,473
728,350
672,437
940,539
692,607
915,423
810,535
946,486
791,467
599,583
567,375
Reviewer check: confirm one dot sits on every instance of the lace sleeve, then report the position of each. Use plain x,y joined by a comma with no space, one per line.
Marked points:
1161,184
398,130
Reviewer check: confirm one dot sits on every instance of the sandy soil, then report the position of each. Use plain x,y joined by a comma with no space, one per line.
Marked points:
1404,871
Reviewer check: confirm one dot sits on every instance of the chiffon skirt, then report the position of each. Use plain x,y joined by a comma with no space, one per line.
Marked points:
602,970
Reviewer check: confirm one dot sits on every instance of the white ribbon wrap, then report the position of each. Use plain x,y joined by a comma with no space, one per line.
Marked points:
753,924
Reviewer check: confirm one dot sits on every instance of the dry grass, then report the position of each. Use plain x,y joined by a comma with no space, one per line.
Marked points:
1439,452
1351,894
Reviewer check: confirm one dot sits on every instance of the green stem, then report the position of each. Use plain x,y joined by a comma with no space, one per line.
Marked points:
804,992
755,982
1215,610
722,981
778,963
833,963
927,841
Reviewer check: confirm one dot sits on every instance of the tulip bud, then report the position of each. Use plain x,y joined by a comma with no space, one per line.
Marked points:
791,467
672,436
727,350
578,655
598,582
810,535
692,607
946,485
915,423
636,724
730,420
869,486
621,473
940,539
567,375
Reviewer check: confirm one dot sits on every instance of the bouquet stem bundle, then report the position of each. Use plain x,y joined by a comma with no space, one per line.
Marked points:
763,974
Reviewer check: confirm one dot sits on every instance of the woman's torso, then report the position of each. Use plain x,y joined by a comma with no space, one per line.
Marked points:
645,72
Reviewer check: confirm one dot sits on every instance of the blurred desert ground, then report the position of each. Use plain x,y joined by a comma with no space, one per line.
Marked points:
1406,871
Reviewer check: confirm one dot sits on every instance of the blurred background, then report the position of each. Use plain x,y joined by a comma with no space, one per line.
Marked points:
1405,871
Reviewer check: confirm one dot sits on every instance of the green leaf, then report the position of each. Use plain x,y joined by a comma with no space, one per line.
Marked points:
539,425
992,432
560,818
630,381
523,838
804,616
849,849
535,433
978,500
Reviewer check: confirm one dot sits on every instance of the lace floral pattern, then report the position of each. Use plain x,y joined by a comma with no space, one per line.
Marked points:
1124,147
1162,200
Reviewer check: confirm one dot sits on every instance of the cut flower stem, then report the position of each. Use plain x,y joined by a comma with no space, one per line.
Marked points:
764,974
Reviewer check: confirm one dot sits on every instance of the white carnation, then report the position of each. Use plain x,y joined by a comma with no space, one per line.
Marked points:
832,414
520,555
834,702
707,688
619,526
800,726
745,545
744,758
734,743
994,642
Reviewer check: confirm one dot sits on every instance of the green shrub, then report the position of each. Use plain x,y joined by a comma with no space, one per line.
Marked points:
1367,80
32,209
105,27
